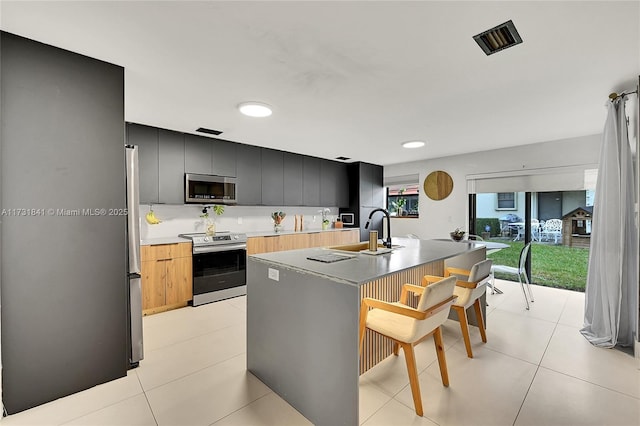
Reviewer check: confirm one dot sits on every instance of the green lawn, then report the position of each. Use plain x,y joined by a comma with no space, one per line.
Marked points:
551,265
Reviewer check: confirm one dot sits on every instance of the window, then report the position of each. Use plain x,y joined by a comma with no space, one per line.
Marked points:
402,200
506,201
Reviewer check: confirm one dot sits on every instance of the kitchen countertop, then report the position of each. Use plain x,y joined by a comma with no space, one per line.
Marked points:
164,240
363,268
270,233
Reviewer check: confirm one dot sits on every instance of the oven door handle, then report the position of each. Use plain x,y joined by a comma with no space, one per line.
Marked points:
220,248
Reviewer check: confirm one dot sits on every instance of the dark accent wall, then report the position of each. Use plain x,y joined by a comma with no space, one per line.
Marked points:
64,298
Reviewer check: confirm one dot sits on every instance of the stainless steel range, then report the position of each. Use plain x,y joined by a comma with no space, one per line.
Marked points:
219,266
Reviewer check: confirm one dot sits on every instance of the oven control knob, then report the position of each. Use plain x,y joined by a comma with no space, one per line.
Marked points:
206,239
235,237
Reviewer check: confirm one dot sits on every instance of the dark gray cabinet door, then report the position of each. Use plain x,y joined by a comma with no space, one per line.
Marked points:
311,181
171,165
366,185
377,186
334,184
146,139
249,168
272,177
371,187
293,192
197,154
342,179
328,183
223,158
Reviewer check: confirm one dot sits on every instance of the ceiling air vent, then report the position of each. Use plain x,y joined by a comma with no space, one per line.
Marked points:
208,131
498,38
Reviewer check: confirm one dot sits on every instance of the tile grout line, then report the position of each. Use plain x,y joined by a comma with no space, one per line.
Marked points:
192,338
193,372
146,397
247,404
538,366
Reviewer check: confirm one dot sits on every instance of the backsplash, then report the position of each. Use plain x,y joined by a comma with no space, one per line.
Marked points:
184,219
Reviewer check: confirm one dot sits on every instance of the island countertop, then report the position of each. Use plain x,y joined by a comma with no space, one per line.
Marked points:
363,268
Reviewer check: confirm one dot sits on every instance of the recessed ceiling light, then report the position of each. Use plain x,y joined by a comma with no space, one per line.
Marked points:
413,144
255,109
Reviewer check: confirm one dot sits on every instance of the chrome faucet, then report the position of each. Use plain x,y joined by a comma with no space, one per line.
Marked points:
386,213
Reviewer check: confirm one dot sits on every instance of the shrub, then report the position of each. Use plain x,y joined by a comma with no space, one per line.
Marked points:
494,223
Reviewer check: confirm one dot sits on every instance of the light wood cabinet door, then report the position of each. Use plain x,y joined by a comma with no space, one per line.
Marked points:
302,240
153,273
179,287
166,271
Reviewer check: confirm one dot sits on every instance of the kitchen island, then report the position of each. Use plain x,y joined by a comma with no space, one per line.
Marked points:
302,318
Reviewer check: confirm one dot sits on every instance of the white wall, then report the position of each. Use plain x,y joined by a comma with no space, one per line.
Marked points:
178,219
486,206
438,218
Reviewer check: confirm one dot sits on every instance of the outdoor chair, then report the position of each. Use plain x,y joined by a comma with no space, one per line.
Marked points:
552,229
520,272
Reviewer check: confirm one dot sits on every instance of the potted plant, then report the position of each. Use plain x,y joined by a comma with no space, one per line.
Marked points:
399,206
210,224
457,234
278,217
325,218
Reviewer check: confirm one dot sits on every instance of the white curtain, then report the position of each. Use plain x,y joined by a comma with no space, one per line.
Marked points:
612,280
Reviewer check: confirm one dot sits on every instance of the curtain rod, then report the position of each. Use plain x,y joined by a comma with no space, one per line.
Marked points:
613,96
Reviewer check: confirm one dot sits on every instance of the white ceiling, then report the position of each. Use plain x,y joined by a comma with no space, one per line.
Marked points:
355,79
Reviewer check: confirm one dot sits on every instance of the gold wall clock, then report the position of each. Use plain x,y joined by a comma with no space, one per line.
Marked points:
438,185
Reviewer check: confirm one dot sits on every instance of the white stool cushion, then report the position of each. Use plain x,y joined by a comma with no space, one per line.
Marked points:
407,329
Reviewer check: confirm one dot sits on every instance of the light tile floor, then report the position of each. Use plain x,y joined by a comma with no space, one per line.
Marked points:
535,369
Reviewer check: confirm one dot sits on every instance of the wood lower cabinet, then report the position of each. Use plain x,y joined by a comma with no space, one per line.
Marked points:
167,282
273,243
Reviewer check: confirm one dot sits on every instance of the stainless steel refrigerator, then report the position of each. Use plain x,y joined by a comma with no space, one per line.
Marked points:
135,341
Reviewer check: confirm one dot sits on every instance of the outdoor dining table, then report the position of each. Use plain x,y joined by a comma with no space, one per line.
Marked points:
519,227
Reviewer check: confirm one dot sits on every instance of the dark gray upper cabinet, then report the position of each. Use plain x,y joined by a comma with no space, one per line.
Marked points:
311,181
197,154
371,189
328,186
209,156
343,185
249,169
223,158
171,165
377,188
293,192
146,139
272,177
334,185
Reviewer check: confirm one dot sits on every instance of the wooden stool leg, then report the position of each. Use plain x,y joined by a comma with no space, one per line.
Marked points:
413,376
362,326
464,326
480,319
442,361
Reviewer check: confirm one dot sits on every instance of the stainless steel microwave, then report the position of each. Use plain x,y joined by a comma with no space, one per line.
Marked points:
209,189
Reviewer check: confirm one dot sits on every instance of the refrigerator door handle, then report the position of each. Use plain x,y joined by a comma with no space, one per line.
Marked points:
135,300
133,206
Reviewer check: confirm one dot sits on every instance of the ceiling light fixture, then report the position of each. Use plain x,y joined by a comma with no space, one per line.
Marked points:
255,109
413,144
